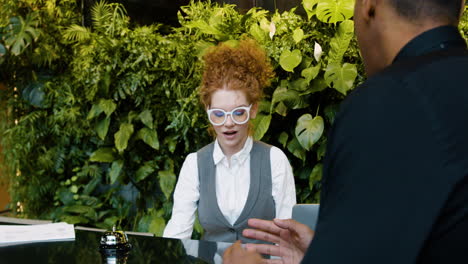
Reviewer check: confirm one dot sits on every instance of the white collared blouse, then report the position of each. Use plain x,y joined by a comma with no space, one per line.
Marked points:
232,188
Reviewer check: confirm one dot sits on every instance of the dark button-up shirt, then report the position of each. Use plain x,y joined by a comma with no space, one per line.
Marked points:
395,184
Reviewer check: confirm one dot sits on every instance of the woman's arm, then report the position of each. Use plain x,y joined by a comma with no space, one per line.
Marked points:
283,188
186,196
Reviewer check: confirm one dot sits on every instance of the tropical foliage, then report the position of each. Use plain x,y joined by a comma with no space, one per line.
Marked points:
99,119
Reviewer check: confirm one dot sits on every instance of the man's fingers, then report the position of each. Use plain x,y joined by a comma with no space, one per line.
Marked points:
268,226
261,235
271,250
292,225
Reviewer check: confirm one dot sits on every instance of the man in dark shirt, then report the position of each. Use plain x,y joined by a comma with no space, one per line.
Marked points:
395,183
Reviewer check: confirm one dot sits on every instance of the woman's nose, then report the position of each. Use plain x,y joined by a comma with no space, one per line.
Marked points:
229,121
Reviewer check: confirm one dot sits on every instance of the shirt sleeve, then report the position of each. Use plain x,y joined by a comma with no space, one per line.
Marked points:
186,196
383,185
283,187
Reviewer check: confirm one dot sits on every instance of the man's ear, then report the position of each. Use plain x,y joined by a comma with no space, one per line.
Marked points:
367,9
253,110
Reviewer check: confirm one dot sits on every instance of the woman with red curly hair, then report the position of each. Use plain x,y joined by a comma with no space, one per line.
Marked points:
234,178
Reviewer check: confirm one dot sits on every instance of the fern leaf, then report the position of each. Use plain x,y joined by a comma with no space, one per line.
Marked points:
77,33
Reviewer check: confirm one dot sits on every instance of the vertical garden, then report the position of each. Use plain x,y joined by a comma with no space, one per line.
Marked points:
96,120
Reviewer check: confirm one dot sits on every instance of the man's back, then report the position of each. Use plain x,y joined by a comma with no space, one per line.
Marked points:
396,172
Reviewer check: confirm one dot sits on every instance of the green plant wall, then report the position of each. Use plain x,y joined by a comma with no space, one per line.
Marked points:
101,118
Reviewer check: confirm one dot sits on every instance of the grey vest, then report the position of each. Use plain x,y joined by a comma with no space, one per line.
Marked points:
259,204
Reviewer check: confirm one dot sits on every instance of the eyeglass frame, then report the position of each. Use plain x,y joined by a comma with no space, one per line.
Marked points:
226,113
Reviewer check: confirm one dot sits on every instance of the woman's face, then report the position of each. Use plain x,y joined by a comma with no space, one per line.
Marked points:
231,136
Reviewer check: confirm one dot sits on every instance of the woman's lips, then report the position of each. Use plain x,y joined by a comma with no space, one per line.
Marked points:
230,134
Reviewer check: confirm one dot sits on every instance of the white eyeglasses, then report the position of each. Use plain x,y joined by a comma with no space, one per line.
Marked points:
239,115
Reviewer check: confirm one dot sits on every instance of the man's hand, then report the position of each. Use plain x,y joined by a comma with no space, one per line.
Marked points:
291,238
236,254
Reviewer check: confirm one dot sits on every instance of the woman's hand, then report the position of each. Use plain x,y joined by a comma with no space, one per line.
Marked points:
291,239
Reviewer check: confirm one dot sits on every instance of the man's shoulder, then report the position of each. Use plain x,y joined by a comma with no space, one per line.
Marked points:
439,76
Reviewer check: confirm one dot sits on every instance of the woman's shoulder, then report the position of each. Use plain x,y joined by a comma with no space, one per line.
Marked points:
191,159
276,154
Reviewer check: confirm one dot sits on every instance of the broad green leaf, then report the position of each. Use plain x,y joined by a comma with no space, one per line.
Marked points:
289,97
74,189
299,84
309,130
171,143
322,149
340,42
95,111
146,118
144,223
34,94
149,136
315,175
131,115
110,222
281,109
104,85
91,185
65,196
79,209
73,220
233,43
108,106
309,7
205,28
143,172
103,155
317,85
296,149
264,106
201,48
265,25
298,35
157,226
310,73
332,11
197,226
115,170
261,124
257,33
102,127
283,138
122,136
342,77
21,33
290,59
167,180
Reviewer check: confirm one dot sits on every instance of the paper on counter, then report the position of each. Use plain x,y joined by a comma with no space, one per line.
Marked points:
18,234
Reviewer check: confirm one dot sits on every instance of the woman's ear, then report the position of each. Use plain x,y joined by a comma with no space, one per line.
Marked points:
253,110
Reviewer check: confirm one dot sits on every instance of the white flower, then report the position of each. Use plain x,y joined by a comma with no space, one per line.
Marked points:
272,29
317,52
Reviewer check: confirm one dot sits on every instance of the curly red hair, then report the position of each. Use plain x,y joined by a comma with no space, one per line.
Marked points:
244,67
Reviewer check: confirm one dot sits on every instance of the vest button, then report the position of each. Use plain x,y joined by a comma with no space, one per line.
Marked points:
232,230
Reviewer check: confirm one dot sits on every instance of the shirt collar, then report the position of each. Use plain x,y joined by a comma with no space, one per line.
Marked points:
240,156
438,38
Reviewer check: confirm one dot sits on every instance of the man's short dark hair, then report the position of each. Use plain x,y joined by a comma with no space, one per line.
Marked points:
418,10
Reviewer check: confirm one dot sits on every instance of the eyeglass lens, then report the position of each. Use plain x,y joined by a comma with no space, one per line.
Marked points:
238,115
